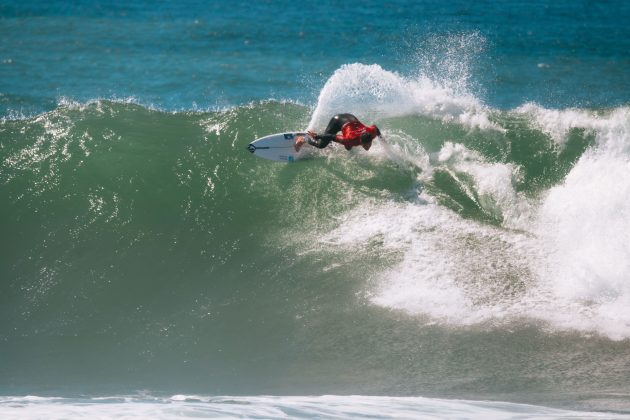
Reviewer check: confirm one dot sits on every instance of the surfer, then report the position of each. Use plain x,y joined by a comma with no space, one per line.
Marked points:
353,133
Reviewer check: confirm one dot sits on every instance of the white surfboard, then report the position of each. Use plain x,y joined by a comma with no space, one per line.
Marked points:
277,147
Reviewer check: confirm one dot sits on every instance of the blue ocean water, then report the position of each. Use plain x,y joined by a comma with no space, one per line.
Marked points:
206,54
474,261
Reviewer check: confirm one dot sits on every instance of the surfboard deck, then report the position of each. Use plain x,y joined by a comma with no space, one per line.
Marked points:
277,147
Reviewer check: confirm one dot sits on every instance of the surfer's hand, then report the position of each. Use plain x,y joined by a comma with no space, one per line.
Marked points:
312,134
299,142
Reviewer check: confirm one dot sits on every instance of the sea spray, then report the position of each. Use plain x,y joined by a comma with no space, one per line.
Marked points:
373,93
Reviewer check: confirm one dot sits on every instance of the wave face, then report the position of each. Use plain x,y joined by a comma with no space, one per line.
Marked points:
472,252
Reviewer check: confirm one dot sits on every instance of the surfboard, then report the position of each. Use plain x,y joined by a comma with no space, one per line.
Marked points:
277,147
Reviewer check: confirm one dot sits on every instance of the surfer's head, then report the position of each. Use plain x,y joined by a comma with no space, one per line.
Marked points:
370,134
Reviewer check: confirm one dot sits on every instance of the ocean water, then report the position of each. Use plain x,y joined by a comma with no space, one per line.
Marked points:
474,263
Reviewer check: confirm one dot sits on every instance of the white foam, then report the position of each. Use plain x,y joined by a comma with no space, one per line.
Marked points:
275,407
613,126
584,225
494,181
449,265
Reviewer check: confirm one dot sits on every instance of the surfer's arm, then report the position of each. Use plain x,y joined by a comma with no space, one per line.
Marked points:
319,140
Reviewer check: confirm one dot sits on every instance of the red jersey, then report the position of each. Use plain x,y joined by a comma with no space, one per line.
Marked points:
351,133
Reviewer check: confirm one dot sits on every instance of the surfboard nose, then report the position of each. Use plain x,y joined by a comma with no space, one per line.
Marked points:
251,148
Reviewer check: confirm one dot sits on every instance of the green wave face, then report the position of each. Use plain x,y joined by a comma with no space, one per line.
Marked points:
151,249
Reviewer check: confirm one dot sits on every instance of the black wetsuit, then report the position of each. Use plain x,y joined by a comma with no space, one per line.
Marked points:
330,134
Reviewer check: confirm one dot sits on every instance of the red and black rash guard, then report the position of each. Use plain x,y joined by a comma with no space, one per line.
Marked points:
351,131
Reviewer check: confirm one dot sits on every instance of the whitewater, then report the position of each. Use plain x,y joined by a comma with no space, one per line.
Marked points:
326,406
566,245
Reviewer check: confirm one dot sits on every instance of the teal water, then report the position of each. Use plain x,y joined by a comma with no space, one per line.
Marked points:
478,252
197,54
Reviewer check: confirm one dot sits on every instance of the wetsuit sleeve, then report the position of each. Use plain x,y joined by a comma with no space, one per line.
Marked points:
321,140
